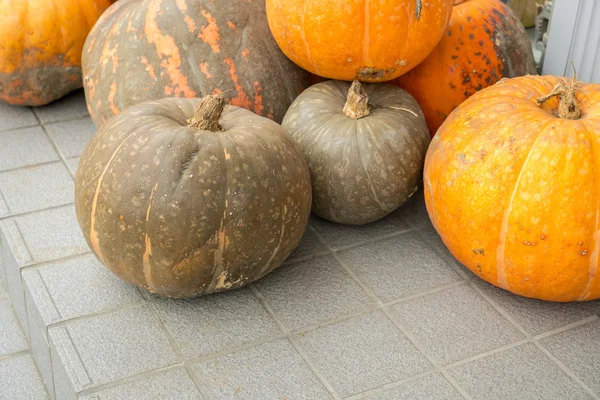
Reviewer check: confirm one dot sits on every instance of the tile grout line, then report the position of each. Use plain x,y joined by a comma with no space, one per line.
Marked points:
532,339
299,349
391,385
14,355
32,166
27,213
413,340
177,350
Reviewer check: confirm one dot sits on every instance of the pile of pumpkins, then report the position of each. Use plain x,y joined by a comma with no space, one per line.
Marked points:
213,147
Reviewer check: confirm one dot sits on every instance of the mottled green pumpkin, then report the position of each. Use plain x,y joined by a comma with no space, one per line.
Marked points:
143,50
365,147
184,208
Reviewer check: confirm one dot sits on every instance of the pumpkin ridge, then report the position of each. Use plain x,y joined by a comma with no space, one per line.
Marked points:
500,249
593,268
381,205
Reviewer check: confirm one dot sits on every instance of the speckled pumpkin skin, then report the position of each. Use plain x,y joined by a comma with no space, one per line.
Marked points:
371,41
483,43
513,190
183,212
361,170
40,47
150,49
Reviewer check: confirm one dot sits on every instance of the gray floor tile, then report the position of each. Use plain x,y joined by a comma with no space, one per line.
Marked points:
71,106
19,379
431,387
36,188
12,117
52,234
398,267
579,350
109,347
337,235
537,316
76,287
71,137
11,337
23,147
73,163
173,384
414,211
216,322
456,323
269,371
362,353
520,373
309,247
311,292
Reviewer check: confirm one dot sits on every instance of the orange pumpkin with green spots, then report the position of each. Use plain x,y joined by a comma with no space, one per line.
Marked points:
40,47
150,49
512,186
371,41
483,43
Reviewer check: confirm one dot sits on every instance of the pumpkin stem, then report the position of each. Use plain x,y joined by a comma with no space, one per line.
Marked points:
357,102
567,100
208,113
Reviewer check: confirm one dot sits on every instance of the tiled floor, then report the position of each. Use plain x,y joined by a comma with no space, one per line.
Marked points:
378,312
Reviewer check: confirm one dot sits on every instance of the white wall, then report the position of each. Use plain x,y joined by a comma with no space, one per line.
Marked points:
574,35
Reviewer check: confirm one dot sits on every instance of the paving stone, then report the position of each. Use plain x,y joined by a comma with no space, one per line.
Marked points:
19,379
72,106
23,147
522,372
398,267
212,323
270,371
71,137
105,348
309,247
36,188
431,387
338,236
433,239
362,353
537,316
76,287
11,337
455,324
52,234
579,350
72,164
311,292
174,384
12,117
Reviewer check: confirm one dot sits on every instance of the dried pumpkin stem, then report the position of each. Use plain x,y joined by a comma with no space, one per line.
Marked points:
566,91
208,113
357,103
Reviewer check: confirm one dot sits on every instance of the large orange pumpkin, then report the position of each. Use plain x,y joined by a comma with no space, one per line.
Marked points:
484,43
40,47
365,40
512,185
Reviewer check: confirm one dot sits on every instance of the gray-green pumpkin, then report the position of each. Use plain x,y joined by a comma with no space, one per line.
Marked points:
365,146
186,203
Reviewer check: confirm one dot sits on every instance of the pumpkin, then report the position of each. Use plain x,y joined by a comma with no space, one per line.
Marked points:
364,144
364,40
40,47
511,186
185,203
148,50
484,43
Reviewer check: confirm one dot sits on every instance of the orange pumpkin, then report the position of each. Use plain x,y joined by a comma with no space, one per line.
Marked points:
512,186
364,40
40,47
484,43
